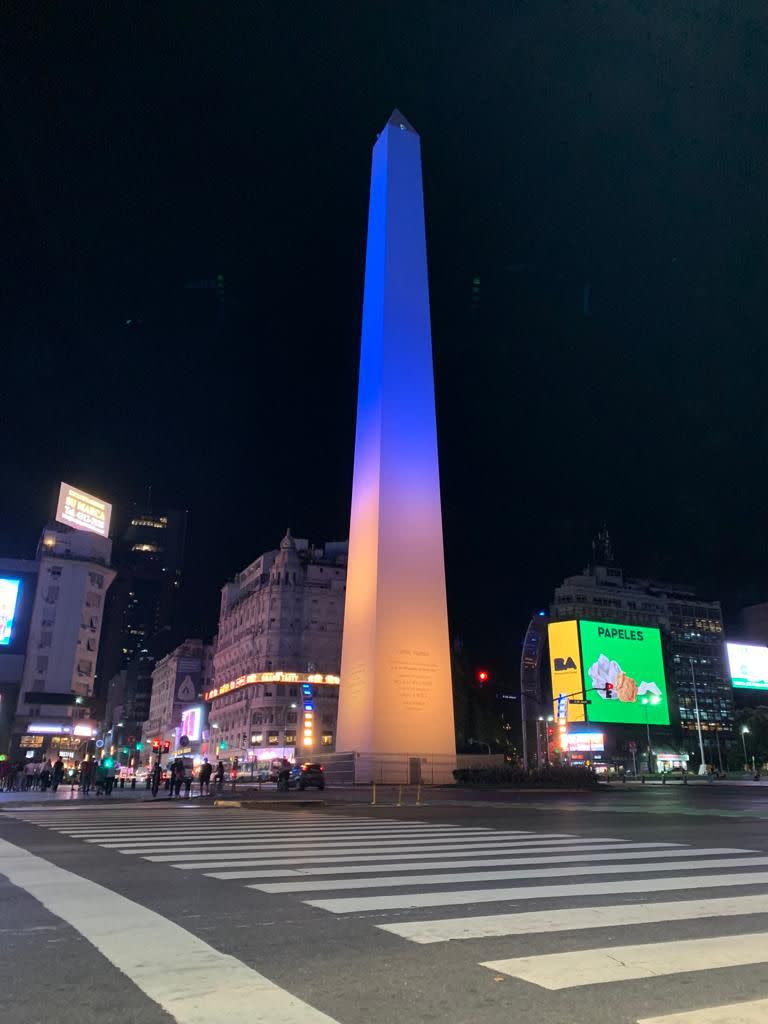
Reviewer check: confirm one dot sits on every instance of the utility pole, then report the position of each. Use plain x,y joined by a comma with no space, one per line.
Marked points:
703,765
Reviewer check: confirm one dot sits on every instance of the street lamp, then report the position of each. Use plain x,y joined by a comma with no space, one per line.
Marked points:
703,765
646,701
744,731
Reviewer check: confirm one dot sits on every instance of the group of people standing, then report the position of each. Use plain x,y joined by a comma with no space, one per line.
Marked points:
38,776
179,774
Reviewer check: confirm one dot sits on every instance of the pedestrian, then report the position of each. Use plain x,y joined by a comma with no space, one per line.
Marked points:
157,775
178,777
220,775
30,774
187,784
58,774
86,777
45,776
206,770
109,779
20,778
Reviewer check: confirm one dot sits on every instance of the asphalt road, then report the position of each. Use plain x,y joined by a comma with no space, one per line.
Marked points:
639,905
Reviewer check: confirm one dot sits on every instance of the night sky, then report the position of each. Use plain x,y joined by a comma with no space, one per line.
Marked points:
601,167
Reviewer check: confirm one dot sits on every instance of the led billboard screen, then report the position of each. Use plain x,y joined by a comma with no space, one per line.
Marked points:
624,678
83,511
565,664
749,666
9,600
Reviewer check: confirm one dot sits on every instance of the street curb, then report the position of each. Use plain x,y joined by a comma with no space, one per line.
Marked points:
253,804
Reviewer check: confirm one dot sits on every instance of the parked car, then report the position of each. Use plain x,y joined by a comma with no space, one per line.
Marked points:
308,774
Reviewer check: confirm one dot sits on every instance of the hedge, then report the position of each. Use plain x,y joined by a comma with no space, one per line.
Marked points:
554,777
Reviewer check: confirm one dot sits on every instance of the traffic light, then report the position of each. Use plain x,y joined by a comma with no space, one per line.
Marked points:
139,745
166,746
482,676
155,746
223,745
609,691
109,762
126,750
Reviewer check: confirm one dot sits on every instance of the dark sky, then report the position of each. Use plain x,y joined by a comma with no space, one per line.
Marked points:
600,166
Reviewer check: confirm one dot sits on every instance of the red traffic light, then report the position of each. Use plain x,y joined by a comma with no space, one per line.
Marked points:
482,675
155,746
166,746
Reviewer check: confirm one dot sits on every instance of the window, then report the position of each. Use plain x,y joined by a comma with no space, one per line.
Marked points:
97,580
293,691
327,718
291,716
52,594
46,638
42,663
90,644
273,739
94,621
290,738
327,739
55,571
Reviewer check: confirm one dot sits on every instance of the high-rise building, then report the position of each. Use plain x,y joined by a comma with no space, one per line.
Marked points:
54,703
278,649
692,635
149,558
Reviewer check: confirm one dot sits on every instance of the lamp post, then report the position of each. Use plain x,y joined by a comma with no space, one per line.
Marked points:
646,702
539,720
744,731
703,765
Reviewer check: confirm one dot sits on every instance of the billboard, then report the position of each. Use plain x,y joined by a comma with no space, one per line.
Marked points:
749,666
83,511
624,678
9,600
192,723
565,663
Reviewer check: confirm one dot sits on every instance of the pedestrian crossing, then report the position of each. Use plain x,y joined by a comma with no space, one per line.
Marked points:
431,883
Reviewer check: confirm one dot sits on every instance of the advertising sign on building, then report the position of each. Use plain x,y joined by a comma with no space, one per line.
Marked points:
623,673
83,511
9,599
749,666
565,664
192,723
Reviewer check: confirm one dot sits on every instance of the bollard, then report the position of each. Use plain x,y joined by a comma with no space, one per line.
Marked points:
663,778
642,779
122,783
373,800
133,782
400,797
418,795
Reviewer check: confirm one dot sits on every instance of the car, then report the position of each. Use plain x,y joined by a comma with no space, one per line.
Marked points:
307,774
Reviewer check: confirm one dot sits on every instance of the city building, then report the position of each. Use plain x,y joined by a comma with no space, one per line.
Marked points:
753,624
54,707
279,649
149,559
178,683
18,579
692,632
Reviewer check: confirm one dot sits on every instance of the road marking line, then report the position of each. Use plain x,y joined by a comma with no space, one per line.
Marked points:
155,953
451,878
352,905
755,1012
246,847
491,860
556,971
255,854
256,836
369,858
574,919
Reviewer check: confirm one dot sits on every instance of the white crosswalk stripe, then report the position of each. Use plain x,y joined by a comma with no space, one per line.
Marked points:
404,870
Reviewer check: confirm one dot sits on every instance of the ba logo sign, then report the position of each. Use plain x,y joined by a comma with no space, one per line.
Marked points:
564,664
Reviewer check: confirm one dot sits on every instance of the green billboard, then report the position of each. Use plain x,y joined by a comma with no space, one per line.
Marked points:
623,673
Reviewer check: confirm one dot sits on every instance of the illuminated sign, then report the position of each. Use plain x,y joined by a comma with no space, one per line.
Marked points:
31,741
83,511
269,677
9,599
192,723
586,741
37,728
565,665
623,673
749,666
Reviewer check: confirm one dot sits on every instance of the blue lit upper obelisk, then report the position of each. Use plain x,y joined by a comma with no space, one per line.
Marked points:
396,694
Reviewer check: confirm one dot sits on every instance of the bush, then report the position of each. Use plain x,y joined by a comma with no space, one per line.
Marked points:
554,777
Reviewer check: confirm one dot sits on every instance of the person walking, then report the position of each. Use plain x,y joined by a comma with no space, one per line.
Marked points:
86,777
58,774
206,771
178,776
187,784
30,774
45,776
20,778
109,779
157,775
220,776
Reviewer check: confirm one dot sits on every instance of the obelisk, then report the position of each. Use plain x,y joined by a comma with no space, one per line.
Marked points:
395,701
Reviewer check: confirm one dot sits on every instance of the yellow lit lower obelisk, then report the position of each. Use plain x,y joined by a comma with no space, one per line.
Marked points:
395,701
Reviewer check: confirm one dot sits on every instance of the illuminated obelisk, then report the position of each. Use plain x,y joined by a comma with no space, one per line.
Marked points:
396,694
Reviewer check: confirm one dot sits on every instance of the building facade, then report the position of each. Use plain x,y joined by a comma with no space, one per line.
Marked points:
178,683
53,711
18,580
693,638
278,649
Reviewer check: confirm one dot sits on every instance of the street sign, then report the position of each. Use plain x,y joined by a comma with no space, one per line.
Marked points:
579,701
99,744
632,747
